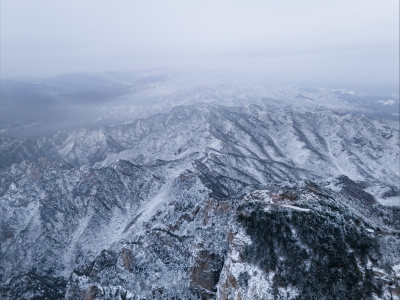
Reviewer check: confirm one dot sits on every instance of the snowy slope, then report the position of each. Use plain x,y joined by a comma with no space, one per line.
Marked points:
162,206
265,142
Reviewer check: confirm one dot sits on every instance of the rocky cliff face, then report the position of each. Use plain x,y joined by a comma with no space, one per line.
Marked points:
204,202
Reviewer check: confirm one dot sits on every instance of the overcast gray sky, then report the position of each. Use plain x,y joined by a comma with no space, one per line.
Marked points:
296,40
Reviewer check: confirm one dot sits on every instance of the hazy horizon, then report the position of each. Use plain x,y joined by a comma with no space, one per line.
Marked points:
354,42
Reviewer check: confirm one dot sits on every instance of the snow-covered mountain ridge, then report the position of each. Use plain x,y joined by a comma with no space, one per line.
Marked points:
271,139
179,205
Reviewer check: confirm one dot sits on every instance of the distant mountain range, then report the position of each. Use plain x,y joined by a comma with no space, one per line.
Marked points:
44,106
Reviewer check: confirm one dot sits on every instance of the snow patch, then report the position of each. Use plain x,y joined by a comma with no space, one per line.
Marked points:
387,102
295,207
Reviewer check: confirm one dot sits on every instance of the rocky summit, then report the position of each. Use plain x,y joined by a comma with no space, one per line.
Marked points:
205,201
